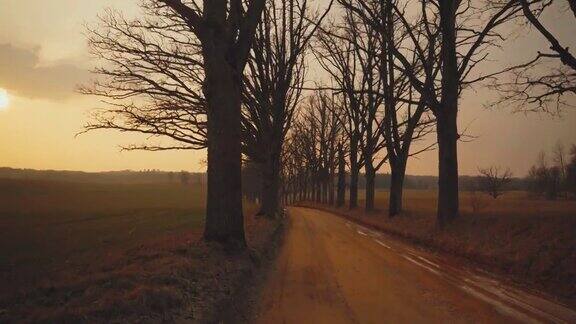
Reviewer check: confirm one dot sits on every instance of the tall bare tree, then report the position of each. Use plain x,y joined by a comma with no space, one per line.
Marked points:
347,51
273,87
468,31
465,31
336,54
150,72
366,44
225,29
177,47
314,137
341,186
383,102
322,116
292,171
405,113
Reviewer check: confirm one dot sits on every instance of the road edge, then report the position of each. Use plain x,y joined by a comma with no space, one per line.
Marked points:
512,279
240,306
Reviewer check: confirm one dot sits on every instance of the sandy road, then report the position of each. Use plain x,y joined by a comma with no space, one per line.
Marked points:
333,271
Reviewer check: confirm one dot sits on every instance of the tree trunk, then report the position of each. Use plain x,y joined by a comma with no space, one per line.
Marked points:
341,188
354,170
398,172
370,175
331,189
224,218
325,186
270,186
447,169
446,116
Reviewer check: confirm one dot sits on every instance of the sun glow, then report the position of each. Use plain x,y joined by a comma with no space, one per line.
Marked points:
4,99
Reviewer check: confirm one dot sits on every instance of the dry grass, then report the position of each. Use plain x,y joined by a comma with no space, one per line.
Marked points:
49,226
530,238
109,253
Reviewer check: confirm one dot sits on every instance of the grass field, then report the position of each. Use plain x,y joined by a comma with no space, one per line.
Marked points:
112,252
519,234
50,226
132,249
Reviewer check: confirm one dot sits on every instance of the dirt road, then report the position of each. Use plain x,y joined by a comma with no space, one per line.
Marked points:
333,271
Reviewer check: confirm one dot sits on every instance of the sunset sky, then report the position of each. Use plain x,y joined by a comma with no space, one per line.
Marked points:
43,57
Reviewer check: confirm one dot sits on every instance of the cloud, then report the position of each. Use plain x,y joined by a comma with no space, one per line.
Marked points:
21,73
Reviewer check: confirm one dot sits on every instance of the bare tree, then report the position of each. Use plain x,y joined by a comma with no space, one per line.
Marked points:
546,82
551,178
494,180
315,134
538,174
559,155
179,46
251,183
304,150
405,118
273,87
341,187
465,31
336,54
464,42
151,75
326,120
292,172
366,44
296,166
388,111
349,52
225,30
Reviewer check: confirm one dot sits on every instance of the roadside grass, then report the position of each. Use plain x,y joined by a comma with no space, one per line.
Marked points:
529,237
74,252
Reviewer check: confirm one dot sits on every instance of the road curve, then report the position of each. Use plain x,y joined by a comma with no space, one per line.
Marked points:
333,271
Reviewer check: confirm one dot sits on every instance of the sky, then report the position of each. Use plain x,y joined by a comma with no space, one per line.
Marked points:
43,58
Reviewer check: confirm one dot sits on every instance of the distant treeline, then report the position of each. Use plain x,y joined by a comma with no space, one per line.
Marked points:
157,176
431,182
125,176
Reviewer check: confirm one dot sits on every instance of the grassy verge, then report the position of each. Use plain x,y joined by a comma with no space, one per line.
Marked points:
533,240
